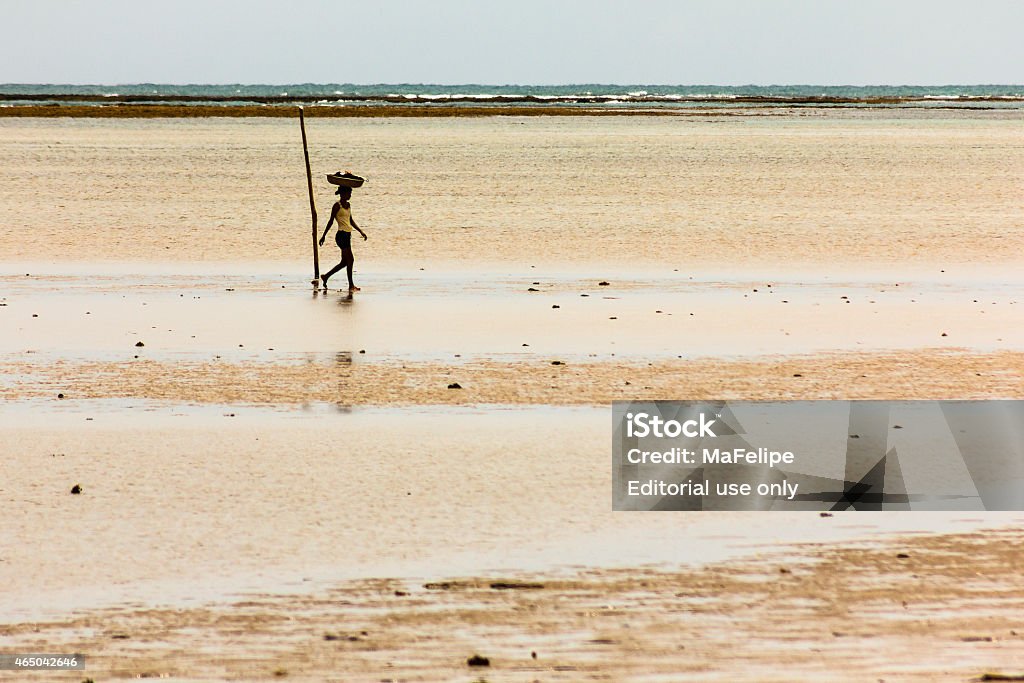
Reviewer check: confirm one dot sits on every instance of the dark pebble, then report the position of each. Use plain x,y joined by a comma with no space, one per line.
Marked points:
440,586
555,306
60,395
477,660
138,343
454,385
512,585
557,362
533,289
76,489
903,556
603,283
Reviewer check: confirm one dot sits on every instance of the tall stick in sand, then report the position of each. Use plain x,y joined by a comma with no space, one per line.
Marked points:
312,204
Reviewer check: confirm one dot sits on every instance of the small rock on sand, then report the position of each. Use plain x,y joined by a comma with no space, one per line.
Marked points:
76,489
138,343
454,385
603,283
1001,677
477,660
515,585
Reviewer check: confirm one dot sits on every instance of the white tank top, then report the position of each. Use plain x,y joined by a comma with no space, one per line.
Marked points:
344,219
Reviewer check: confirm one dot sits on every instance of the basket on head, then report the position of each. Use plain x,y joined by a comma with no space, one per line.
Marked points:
345,179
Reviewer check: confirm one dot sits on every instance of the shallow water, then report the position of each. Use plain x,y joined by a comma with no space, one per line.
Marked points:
455,317
182,506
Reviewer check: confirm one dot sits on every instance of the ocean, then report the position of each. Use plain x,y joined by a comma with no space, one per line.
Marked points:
591,94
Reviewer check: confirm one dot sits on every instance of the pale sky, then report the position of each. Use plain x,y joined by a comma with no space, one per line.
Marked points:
722,42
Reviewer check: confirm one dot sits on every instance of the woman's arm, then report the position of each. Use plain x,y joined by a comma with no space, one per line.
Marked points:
358,229
334,212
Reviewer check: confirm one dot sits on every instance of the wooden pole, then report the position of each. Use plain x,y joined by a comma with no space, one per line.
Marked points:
312,204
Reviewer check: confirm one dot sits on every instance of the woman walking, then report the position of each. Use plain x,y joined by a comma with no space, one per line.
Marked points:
341,214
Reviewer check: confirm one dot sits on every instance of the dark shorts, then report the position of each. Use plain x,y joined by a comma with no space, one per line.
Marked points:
343,239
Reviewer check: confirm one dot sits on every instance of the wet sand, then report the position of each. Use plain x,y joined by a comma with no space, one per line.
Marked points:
263,466
921,609
857,191
257,496
558,340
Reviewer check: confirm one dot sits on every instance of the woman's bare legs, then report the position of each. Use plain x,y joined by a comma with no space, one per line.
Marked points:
351,261
346,262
